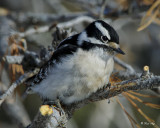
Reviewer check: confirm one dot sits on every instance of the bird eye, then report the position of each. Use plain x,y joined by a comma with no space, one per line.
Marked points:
104,38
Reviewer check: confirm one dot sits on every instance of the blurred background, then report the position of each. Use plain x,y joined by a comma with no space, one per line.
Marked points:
28,30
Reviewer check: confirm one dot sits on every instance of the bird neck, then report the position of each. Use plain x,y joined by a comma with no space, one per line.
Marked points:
103,51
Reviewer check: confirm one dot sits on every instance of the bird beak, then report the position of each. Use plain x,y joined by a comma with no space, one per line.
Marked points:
115,47
119,51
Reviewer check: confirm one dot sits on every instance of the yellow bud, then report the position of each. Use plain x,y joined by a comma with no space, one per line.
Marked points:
46,110
146,68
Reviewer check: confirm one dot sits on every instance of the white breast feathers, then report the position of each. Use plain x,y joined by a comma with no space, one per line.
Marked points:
77,76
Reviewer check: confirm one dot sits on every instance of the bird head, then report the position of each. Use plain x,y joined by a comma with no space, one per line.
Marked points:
99,32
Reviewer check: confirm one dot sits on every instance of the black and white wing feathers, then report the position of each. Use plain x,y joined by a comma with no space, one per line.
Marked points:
55,59
72,40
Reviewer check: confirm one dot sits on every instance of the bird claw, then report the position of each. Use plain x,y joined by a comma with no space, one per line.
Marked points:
107,86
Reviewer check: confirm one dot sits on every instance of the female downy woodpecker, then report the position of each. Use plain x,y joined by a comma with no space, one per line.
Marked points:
81,65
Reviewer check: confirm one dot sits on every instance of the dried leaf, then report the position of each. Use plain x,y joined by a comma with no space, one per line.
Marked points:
21,69
140,111
143,95
17,68
114,79
3,11
146,103
147,2
128,115
13,69
14,50
150,15
152,18
123,3
149,12
157,21
1,68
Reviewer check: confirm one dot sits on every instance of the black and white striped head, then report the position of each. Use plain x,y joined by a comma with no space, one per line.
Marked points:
99,32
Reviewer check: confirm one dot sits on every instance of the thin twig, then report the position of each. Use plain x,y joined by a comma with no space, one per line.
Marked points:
10,107
124,65
75,21
104,3
21,79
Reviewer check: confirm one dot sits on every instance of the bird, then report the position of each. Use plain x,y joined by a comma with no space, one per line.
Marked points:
80,65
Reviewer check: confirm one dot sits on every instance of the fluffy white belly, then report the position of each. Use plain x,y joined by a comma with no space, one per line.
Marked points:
76,77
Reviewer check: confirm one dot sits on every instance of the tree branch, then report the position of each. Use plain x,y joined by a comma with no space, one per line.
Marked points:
147,81
43,18
66,24
140,82
13,59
